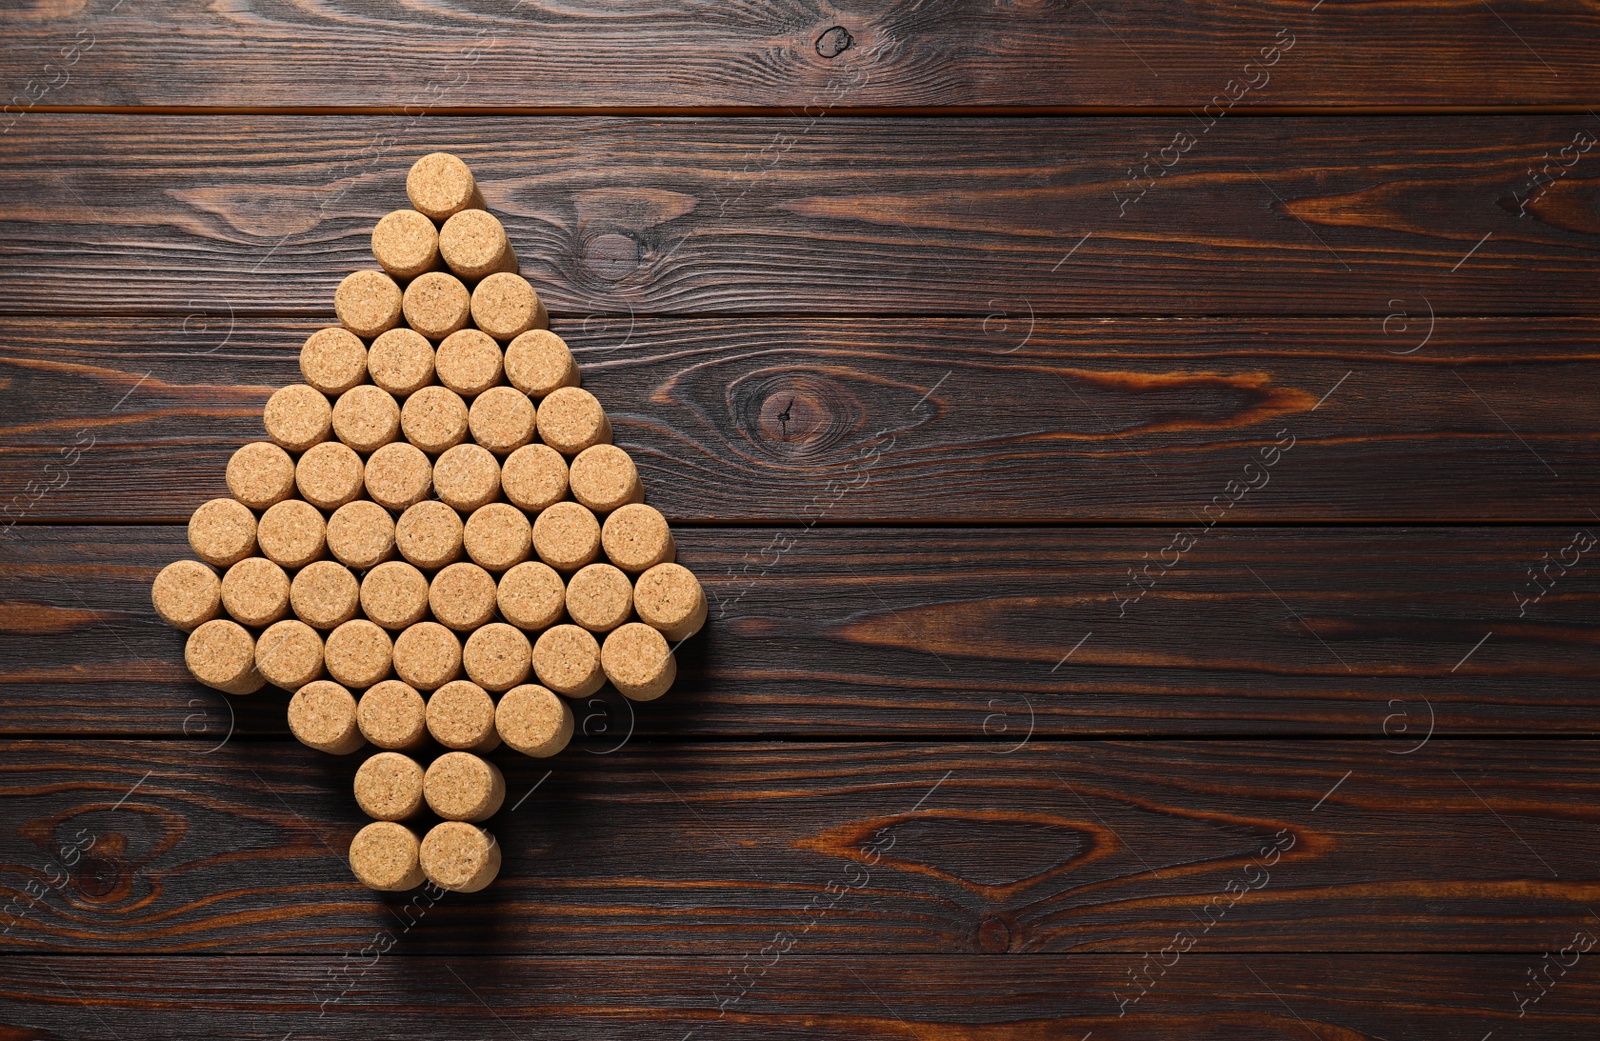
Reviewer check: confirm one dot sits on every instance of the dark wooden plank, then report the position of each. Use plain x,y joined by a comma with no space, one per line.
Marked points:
253,214
799,53
1208,997
901,419
930,848
953,632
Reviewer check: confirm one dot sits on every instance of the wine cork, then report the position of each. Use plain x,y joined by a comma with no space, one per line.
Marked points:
437,304
567,660
366,418
429,534
221,654
297,417
440,185
638,662
533,720
599,598
292,534
530,596
187,594
223,531
405,243
395,595
389,786
539,362
502,419
603,478
497,536
392,716
669,597
260,474
368,303
505,306
358,653
398,475
636,538
322,715
461,716
566,536
401,362
361,535
289,654
460,857
468,362
329,475
434,419
462,597
534,477
460,786
467,477
325,594
427,656
474,244
570,420
333,360
255,592
497,657
384,856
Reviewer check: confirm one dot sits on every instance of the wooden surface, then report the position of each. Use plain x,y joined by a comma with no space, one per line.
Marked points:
1140,608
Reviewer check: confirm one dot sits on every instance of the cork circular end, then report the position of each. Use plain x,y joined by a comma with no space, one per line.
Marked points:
398,475
468,362
461,716
534,477
289,654
297,417
358,653
571,419
505,306
325,594
462,597
333,360
439,185
187,594
567,660
638,662
604,478
502,419
292,533
467,477
530,596
532,720
366,418
392,716
460,857
395,595
599,598
260,474
668,597
223,531
330,475
636,538
368,303
427,656
538,362
429,534
434,419
255,592
436,304
385,856
361,535
474,244
389,786
497,536
401,362
460,786
322,715
497,656
566,536
221,654
405,244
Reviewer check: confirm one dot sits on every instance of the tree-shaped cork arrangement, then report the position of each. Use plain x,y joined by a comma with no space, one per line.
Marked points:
438,517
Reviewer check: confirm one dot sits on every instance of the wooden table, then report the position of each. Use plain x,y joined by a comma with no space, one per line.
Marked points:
1143,462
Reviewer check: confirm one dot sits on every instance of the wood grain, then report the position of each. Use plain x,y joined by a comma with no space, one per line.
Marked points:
919,848
795,53
1295,216
1378,633
1392,417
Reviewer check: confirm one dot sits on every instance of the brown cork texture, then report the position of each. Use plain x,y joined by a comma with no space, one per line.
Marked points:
636,538
497,656
434,419
474,244
468,362
385,856
329,475
389,786
530,596
567,660
401,362
361,535
498,536
466,477
223,531
638,662
532,720
289,654
439,185
539,362
460,786
505,306
260,474
187,594
333,360
461,716
325,594
358,653
297,417
566,536
462,597
398,475
599,598
571,419
366,418
460,857
429,535
427,656
405,244
322,715
395,595
534,477
292,534
222,654
393,716
502,419
669,598
604,478
368,303
255,592
437,304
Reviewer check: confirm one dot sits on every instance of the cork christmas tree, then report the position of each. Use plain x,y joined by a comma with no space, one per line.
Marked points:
435,545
